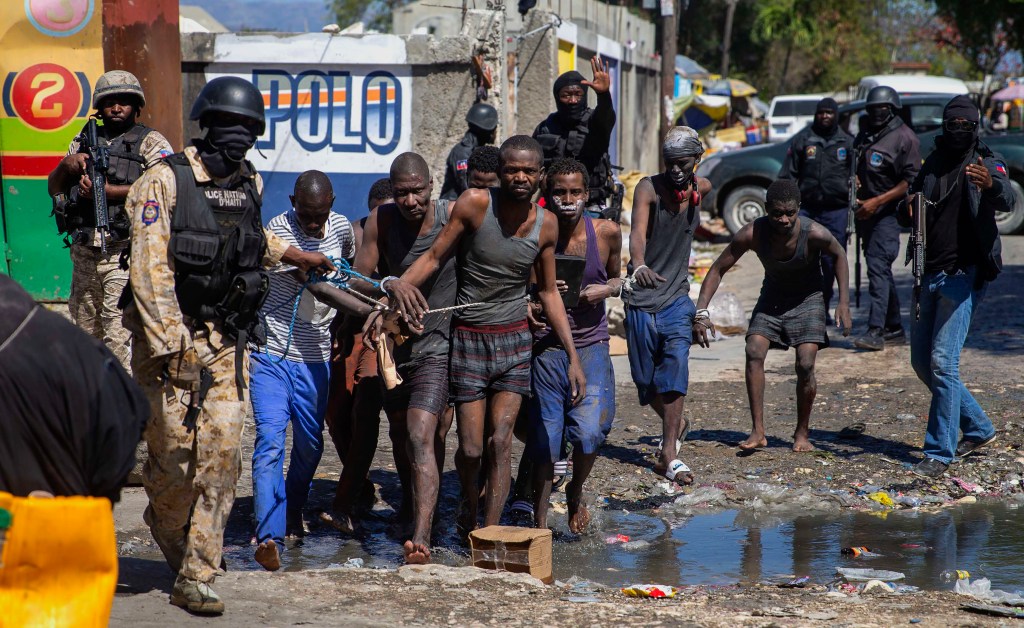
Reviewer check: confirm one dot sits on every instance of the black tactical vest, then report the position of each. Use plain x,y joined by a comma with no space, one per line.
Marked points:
217,243
555,146
126,166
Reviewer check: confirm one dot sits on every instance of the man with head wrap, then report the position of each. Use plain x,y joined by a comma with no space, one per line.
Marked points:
888,158
963,184
659,312
818,159
574,130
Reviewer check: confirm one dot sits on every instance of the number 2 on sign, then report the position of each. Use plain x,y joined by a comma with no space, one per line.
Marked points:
56,84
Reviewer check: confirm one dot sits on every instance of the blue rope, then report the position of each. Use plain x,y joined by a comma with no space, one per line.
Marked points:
340,278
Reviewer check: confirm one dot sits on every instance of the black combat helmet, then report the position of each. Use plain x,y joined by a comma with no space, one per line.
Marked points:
884,95
482,116
230,94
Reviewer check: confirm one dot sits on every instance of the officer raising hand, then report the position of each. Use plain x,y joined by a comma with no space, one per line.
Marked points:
198,253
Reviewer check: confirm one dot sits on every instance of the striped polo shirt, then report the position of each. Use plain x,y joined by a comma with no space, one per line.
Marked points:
311,336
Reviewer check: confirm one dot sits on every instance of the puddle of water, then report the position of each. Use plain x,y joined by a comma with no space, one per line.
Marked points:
735,546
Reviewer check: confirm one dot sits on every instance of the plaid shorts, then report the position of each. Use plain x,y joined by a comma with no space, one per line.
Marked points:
787,326
490,358
424,386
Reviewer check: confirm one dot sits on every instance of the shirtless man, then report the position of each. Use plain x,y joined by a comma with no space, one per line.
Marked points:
499,235
586,425
790,311
659,312
394,237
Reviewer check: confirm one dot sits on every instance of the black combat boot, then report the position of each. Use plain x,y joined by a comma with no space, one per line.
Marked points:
871,341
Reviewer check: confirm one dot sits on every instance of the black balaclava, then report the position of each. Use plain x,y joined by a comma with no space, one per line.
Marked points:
960,142
570,114
882,118
223,147
826,104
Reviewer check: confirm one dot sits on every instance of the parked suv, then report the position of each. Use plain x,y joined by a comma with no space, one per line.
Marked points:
741,177
788,115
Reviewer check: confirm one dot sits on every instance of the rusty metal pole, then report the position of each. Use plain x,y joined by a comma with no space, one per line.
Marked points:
669,35
143,38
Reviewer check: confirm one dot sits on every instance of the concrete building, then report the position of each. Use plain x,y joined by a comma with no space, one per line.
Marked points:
561,35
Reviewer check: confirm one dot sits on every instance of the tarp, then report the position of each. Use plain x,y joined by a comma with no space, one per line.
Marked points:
700,111
1014,92
725,87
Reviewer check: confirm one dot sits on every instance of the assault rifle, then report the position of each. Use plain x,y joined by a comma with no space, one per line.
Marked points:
99,161
198,399
918,242
851,225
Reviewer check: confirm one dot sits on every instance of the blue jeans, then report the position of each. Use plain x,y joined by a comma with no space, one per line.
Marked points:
285,392
948,303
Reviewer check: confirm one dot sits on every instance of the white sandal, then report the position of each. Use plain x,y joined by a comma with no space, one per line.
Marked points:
674,468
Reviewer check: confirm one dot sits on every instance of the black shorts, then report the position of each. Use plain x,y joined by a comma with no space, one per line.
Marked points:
424,386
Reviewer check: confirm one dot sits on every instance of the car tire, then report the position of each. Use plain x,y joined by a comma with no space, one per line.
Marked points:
1012,221
743,206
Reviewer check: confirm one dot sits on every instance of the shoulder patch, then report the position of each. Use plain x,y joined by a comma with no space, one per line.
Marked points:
876,159
812,152
164,153
462,164
841,153
1001,168
150,212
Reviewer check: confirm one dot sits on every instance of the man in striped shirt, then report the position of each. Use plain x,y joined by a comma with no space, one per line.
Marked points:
290,379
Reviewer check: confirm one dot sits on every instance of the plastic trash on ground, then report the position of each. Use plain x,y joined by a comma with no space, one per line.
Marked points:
863,575
727,313
650,590
617,538
704,496
882,498
633,546
767,493
981,589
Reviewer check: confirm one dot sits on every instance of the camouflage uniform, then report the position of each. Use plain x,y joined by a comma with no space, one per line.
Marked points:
191,473
97,279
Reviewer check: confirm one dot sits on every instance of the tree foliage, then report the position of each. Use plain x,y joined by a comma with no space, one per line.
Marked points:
374,14
983,31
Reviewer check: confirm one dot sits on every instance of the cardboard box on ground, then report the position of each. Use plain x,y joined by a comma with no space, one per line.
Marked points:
518,550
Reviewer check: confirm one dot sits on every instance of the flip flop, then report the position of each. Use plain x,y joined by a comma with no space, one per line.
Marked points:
682,437
852,432
675,468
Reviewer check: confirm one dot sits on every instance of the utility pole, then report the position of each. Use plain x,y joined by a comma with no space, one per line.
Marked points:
669,35
730,10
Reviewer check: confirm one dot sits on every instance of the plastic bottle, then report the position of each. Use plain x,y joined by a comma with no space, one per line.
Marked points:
952,575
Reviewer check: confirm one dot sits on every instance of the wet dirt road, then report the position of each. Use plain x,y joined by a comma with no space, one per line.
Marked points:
876,389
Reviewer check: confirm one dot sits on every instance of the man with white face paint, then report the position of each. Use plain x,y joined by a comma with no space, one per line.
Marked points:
659,311
551,413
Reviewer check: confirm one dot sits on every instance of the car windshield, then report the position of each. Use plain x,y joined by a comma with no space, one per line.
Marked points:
793,108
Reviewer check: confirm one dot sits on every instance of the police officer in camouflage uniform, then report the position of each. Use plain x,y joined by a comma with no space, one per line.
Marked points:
97,279
818,159
198,252
483,126
888,159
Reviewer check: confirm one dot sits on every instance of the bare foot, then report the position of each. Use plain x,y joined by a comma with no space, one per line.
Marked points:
802,443
579,518
340,521
754,441
416,553
267,556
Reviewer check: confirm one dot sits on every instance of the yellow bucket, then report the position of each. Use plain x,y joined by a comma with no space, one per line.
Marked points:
58,564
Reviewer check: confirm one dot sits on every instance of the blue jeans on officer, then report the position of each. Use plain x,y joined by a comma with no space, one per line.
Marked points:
880,240
948,303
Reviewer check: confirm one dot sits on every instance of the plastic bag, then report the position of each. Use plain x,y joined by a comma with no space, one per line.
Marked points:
727,313
982,589
650,590
767,493
863,575
705,495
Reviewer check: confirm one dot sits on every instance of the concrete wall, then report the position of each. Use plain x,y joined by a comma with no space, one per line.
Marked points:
345,129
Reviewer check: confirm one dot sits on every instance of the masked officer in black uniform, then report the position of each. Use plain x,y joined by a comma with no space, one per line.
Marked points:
819,160
888,159
197,258
483,126
964,185
574,130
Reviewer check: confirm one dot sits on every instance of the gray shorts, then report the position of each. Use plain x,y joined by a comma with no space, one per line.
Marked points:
787,327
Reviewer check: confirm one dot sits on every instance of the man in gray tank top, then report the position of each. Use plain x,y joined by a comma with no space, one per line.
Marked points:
499,236
659,312
790,311
393,238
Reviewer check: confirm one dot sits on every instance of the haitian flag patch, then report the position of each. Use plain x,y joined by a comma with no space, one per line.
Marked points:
462,164
1001,168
